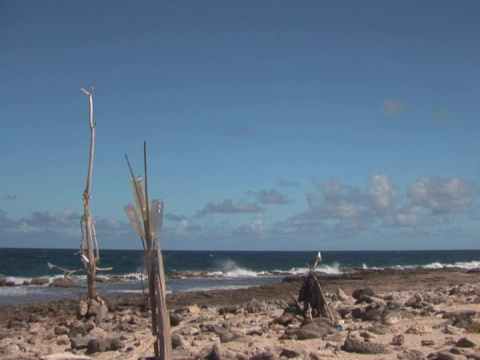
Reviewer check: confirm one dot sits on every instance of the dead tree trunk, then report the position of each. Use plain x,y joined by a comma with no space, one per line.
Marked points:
89,257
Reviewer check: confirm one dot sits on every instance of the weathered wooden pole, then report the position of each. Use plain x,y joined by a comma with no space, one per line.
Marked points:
90,260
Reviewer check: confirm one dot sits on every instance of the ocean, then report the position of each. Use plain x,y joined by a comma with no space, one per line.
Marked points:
201,270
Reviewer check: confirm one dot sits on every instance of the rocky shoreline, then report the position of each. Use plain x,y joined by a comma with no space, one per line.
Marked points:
389,314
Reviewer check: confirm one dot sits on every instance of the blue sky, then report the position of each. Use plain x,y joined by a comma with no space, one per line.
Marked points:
270,125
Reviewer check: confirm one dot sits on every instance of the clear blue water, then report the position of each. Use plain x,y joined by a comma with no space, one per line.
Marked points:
236,268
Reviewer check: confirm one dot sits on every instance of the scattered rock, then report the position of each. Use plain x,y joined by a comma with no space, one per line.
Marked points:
465,343
354,345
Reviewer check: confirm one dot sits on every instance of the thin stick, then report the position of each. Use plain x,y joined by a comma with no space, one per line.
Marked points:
329,313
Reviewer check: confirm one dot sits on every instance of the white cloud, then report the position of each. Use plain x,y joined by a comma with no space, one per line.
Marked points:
272,197
227,207
336,201
381,193
443,196
256,229
181,227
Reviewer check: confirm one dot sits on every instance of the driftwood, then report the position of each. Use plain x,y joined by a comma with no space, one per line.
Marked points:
139,351
147,221
313,299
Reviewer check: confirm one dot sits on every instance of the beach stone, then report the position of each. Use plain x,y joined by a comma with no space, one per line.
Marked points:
290,353
315,329
232,309
344,310
418,329
256,306
375,313
267,355
230,336
284,319
342,295
321,354
77,327
116,344
392,317
398,340
414,300
18,325
453,330
97,345
61,330
465,343
79,342
82,308
174,319
358,312
354,345
177,341
357,294
447,355
194,309
98,310
63,340
411,355
217,329
465,314
428,342
214,354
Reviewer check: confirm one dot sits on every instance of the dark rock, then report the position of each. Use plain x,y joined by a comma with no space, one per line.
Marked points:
358,312
428,342
174,319
18,325
447,355
290,353
98,310
214,354
267,355
374,314
77,328
465,343
61,330
315,329
79,342
39,281
228,310
459,314
284,319
415,299
360,347
411,355
177,341
217,329
116,344
398,340
97,345
344,310
362,291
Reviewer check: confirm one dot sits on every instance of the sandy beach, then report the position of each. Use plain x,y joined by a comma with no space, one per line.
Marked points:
385,314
